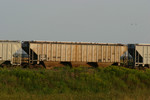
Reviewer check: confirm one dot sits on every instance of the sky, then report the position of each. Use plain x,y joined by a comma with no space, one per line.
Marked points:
103,21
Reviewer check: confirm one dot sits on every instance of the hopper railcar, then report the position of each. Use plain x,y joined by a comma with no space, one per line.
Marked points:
73,53
140,54
8,52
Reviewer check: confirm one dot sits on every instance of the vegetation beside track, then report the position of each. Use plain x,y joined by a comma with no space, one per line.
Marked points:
82,83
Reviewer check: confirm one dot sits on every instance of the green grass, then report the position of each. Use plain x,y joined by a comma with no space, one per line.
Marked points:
82,83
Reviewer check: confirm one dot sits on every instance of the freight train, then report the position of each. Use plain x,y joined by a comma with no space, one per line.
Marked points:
50,53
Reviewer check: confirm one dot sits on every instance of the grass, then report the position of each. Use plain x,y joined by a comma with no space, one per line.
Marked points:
82,83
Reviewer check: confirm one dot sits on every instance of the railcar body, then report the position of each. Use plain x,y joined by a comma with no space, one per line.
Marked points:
73,52
8,52
140,54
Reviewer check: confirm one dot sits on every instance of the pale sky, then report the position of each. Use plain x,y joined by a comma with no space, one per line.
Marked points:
104,21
